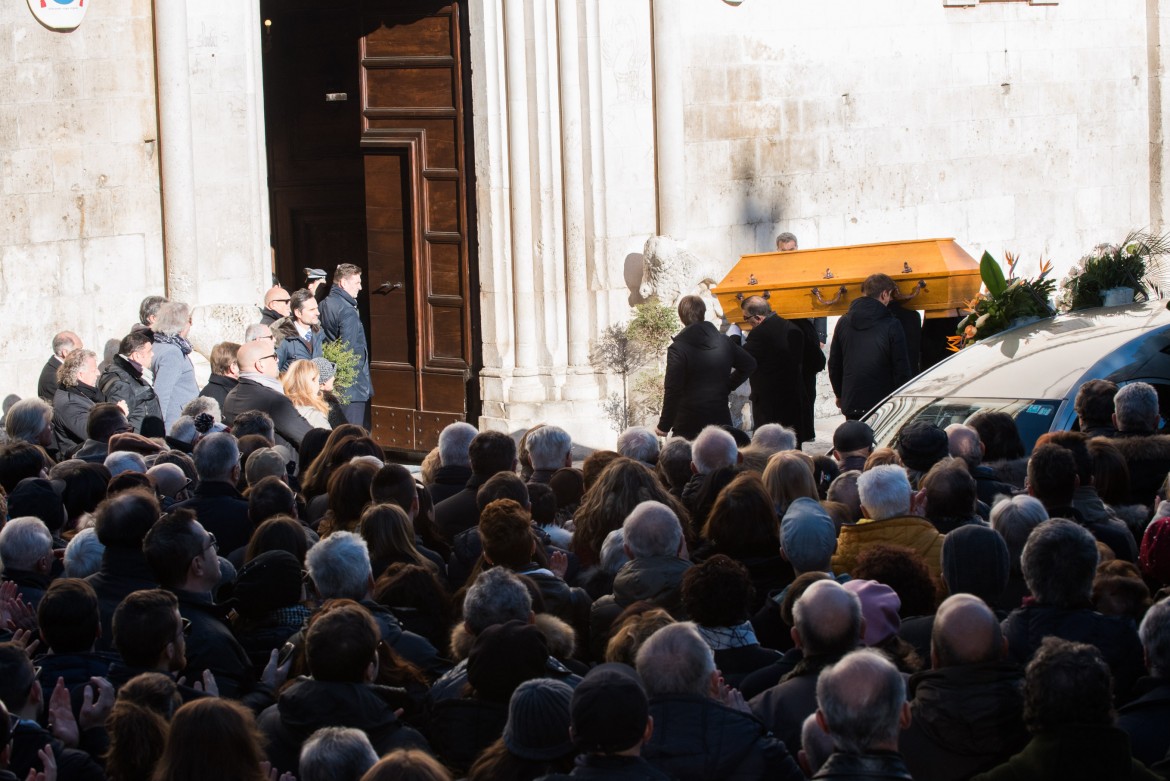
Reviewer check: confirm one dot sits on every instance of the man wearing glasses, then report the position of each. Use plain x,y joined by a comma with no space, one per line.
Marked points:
259,389
276,305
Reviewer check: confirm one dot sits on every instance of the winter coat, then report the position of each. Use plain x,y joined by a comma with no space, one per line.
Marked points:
122,572
290,346
223,511
47,382
1115,636
611,768
812,363
568,603
307,705
1148,457
778,392
1075,752
988,487
251,395
459,512
71,408
867,357
75,668
702,369
784,707
174,380
341,321
915,533
450,479
698,738
657,579
212,646
218,387
122,381
1104,525
879,766
1146,720
72,764
966,719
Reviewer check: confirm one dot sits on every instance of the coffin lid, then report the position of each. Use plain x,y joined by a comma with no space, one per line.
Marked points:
792,280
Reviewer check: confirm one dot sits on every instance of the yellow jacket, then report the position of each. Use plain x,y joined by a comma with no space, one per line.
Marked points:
909,531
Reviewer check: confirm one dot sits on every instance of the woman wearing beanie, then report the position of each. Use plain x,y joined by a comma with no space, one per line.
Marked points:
536,738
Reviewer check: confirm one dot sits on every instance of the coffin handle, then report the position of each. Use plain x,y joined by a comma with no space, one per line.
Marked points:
918,288
841,291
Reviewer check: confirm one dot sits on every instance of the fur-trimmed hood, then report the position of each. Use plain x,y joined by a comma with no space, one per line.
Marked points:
560,637
285,328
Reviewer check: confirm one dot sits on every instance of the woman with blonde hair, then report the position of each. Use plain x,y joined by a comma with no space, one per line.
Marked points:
302,385
789,476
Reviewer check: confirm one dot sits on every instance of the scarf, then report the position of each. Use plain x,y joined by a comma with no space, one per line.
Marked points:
263,379
721,638
176,340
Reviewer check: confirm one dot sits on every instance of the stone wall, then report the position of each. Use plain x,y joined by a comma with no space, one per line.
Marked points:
80,225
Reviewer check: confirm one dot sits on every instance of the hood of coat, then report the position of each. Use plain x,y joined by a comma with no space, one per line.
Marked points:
866,312
971,710
701,336
308,705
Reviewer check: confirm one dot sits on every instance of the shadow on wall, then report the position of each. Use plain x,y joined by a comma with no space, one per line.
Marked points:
632,272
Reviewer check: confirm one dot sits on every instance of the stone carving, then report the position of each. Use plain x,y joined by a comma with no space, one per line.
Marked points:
671,271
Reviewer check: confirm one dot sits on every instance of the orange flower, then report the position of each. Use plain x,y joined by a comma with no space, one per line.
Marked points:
969,332
954,343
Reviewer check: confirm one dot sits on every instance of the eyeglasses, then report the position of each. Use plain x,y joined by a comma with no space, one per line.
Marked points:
280,300
211,542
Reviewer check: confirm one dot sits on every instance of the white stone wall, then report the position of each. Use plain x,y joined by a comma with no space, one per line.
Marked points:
80,227
1006,125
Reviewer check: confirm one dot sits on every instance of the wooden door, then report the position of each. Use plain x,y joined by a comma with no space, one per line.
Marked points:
369,161
417,222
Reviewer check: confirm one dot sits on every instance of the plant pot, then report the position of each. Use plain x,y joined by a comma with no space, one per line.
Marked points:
1117,296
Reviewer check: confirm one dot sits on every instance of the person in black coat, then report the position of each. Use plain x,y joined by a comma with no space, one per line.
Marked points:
225,372
298,336
259,389
778,392
702,368
217,504
75,397
121,524
63,344
868,358
123,380
341,321
1146,718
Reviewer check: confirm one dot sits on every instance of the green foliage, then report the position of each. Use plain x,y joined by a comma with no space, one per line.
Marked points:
346,362
634,351
1129,264
1007,299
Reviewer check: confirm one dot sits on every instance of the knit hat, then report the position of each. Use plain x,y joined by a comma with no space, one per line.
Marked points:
39,498
922,445
270,581
326,369
265,462
807,535
852,435
538,720
975,560
609,710
503,657
879,606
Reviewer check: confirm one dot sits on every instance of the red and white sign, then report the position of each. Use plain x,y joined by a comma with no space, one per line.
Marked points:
59,14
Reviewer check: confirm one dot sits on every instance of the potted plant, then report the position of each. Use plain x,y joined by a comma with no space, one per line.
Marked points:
1007,301
1114,274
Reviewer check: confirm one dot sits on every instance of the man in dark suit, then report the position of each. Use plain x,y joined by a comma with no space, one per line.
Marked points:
702,368
63,344
778,394
341,321
259,389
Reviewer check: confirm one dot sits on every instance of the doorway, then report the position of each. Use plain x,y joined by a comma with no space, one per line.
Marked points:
367,116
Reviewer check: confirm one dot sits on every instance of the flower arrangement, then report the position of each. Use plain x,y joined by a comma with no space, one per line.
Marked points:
1130,264
1004,301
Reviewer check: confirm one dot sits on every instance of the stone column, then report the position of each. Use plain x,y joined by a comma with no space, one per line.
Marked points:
1157,39
176,150
668,119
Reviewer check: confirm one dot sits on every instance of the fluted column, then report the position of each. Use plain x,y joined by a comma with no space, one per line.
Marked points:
668,119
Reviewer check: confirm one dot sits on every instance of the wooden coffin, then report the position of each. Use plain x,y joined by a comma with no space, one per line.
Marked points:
934,275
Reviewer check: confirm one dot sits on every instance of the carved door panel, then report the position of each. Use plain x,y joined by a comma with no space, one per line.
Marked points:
417,229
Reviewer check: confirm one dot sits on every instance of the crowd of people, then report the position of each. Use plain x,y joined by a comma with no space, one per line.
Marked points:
235,583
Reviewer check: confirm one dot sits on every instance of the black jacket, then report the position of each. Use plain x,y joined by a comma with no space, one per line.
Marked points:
1115,636
449,480
251,395
812,363
702,368
223,511
212,646
611,768
1147,720
966,720
268,317
218,387
341,321
122,571
654,578
291,347
1073,752
459,512
879,766
698,738
47,382
778,390
867,357
72,764
71,408
121,381
307,705
76,669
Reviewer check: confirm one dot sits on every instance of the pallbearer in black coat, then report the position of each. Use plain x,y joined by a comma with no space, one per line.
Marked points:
778,392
